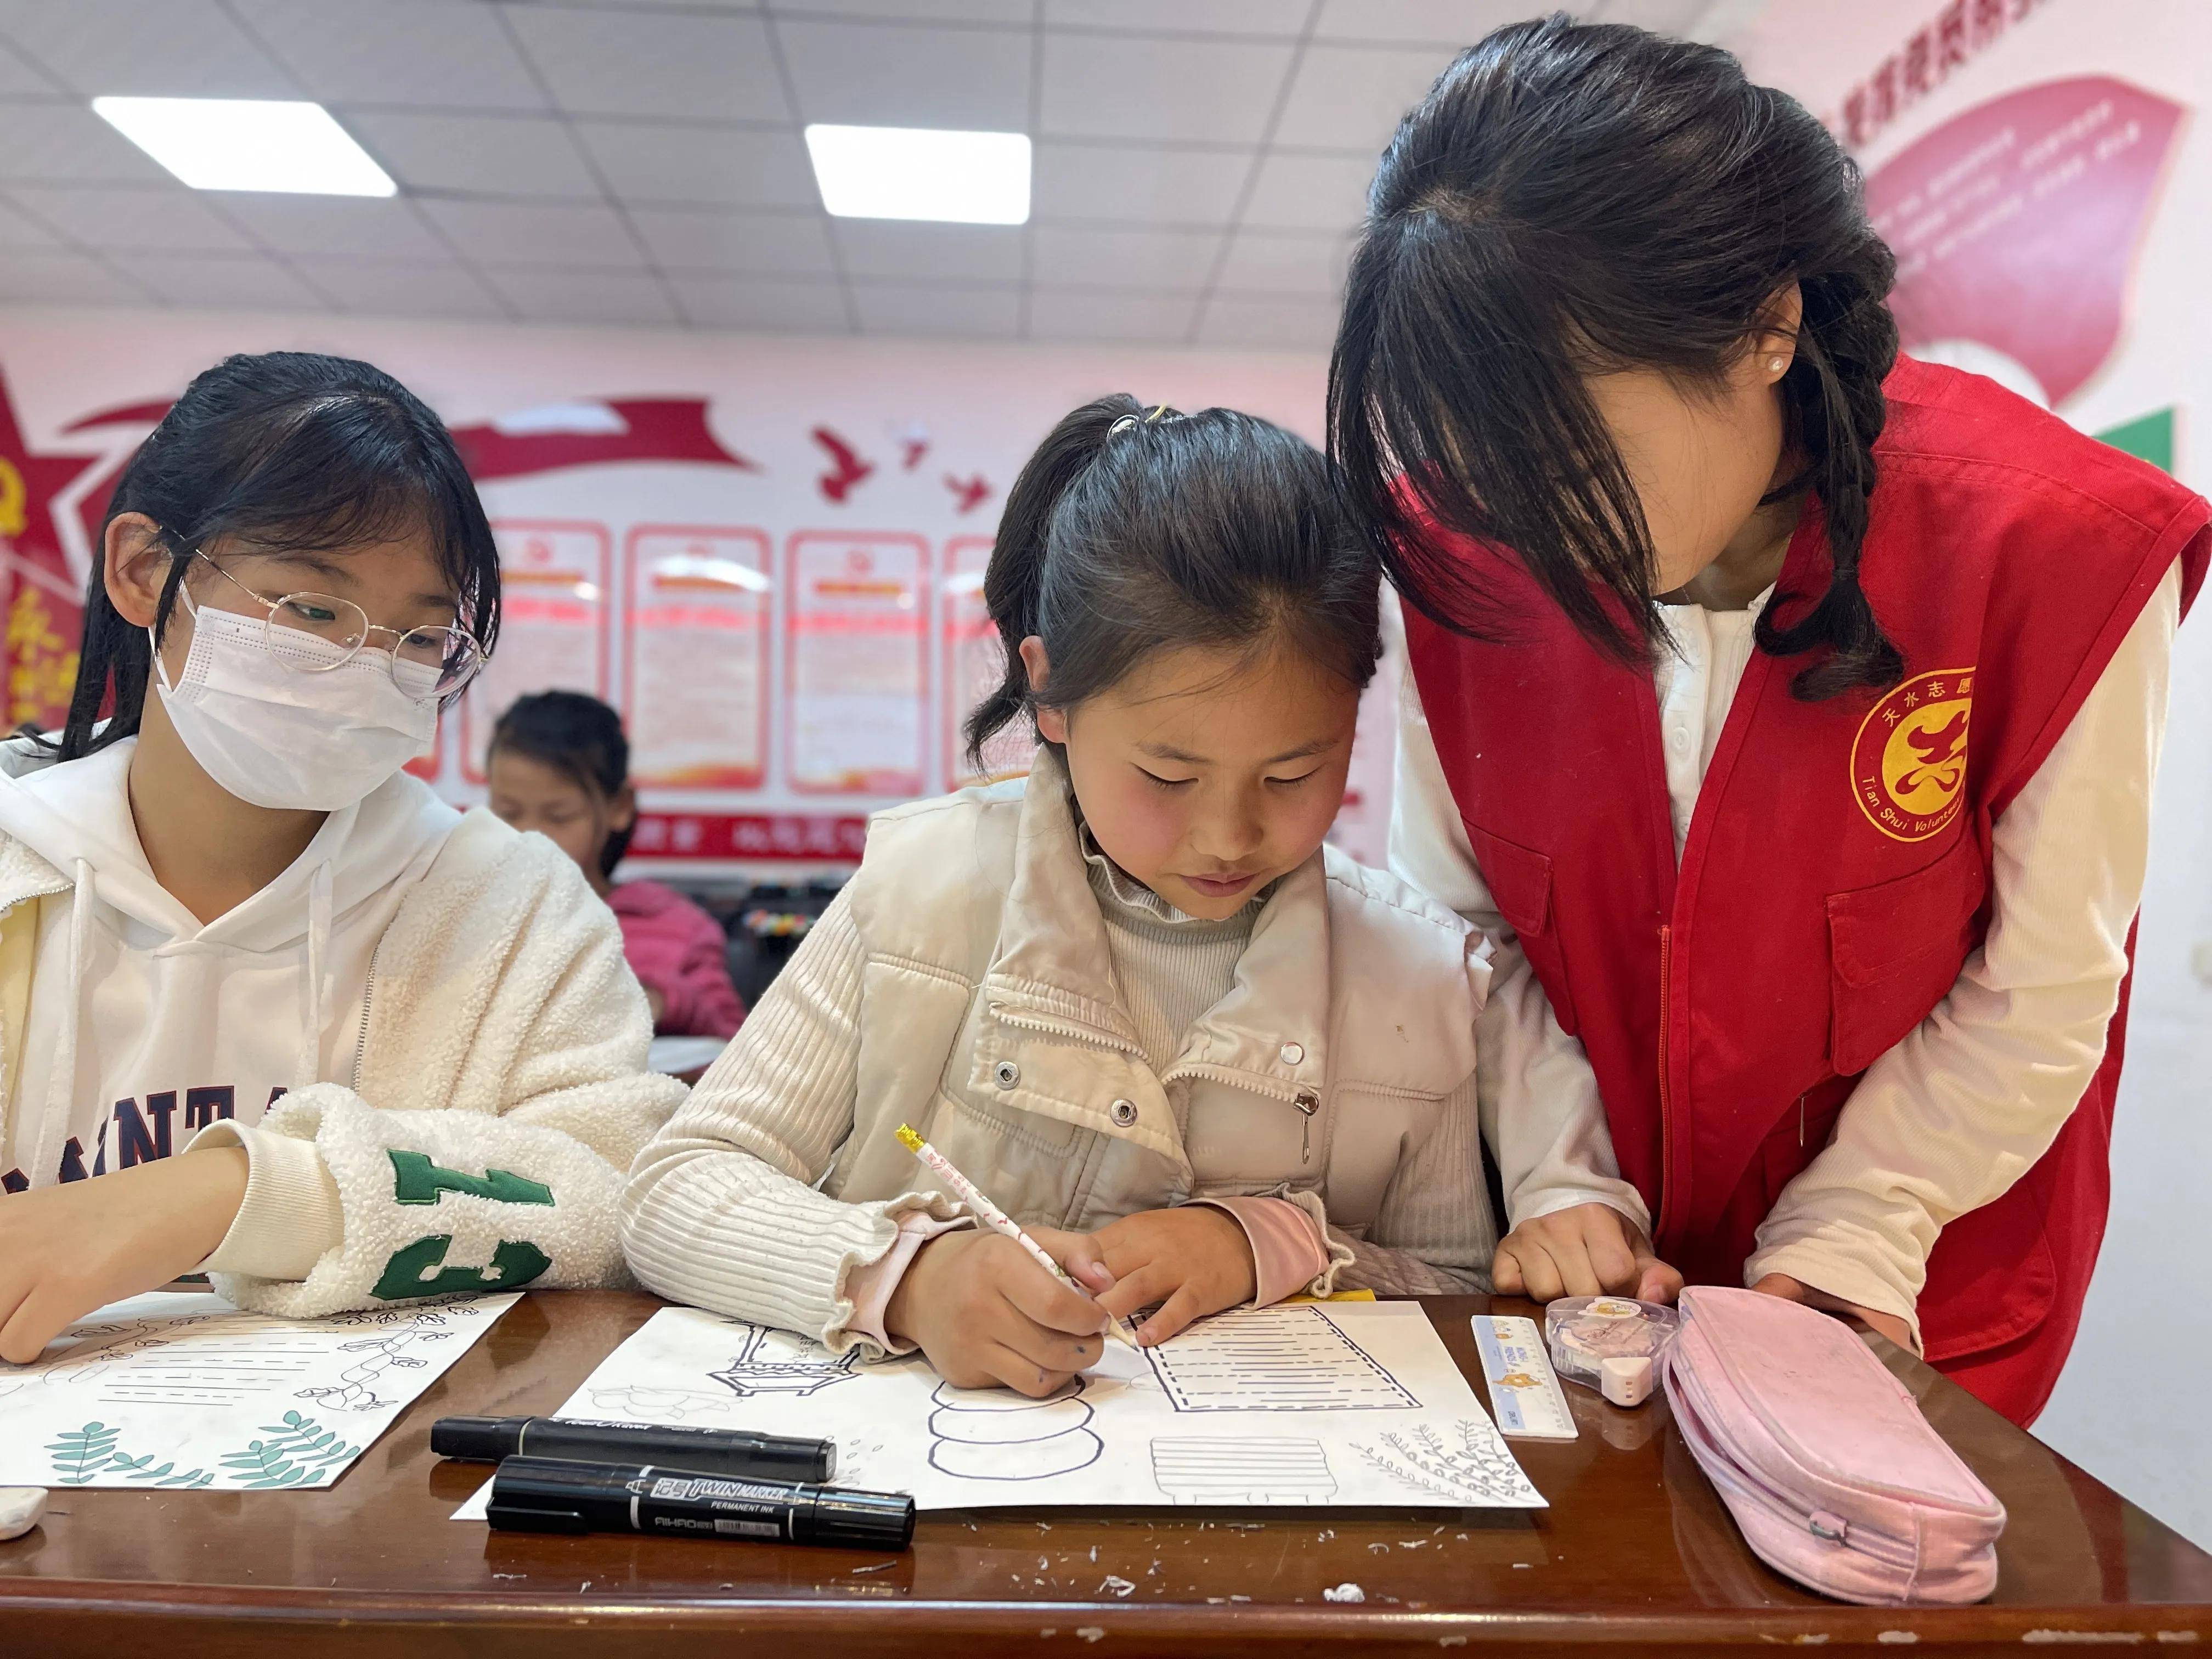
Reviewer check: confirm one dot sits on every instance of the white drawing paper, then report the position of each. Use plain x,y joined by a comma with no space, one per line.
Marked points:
1350,1405
179,1389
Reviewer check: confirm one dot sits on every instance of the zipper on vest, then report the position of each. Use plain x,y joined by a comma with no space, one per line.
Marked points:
1073,1029
1666,1122
1306,1102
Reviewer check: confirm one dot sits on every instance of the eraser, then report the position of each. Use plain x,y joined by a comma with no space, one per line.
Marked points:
1626,1381
20,1510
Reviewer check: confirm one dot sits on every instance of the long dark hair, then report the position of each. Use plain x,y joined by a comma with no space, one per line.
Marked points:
1570,197
582,740
291,452
1132,530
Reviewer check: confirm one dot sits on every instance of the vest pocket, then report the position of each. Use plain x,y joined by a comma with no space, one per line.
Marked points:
1519,883
1895,949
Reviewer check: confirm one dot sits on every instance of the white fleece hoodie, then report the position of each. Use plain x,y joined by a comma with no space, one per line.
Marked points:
195,1023
444,1003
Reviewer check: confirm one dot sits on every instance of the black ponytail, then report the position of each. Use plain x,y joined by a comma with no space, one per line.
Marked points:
1572,198
1135,529
289,451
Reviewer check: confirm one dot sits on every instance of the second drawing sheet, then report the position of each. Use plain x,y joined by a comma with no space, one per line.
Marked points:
1348,1404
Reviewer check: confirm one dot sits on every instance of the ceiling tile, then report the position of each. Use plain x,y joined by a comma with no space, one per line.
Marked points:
1273,17
877,74
694,5
175,48
1351,98
144,221
584,296
64,278
1286,324
652,63
395,289
68,141
686,238
19,230
353,226
1111,87
1146,187
732,302
1309,192
20,79
888,308
1177,260
1154,319
395,51
528,233
890,248
1454,23
1668,16
1265,262
1019,12
490,156
213,282
707,165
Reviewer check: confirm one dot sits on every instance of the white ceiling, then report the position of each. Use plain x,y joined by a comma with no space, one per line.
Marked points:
1198,163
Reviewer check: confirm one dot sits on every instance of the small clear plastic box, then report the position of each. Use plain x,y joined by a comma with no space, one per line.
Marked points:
1583,1331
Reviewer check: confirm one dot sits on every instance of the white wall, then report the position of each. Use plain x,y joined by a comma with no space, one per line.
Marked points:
2134,1379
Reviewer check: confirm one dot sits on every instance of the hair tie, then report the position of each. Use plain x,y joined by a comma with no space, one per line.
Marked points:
1128,421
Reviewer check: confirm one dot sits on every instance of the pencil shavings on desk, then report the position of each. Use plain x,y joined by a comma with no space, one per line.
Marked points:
1350,1405
180,1391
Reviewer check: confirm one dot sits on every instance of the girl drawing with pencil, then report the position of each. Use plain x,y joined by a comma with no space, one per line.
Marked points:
1199,1058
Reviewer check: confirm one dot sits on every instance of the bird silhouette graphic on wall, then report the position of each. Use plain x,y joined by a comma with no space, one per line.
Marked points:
846,466
969,493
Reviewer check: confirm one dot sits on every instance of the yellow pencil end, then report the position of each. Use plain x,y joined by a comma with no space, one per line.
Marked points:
908,1139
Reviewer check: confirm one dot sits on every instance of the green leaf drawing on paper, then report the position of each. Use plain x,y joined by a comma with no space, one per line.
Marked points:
297,1449
80,1454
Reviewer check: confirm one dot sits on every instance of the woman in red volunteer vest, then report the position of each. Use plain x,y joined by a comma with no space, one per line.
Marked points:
1785,709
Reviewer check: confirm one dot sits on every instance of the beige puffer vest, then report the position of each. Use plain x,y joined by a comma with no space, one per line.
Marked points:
991,1023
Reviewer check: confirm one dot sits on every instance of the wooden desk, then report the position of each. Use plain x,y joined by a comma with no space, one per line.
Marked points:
1635,1556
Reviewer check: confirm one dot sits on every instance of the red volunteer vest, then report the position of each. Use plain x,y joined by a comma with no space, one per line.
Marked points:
1836,872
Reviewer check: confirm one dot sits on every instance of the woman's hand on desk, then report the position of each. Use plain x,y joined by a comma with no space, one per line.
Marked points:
986,1314
1794,1289
65,1250
1589,1249
1193,1259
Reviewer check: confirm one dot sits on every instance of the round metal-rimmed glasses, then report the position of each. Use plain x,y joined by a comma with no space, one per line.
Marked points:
427,664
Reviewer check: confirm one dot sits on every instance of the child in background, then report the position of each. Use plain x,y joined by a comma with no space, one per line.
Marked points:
396,1048
1204,1059
560,765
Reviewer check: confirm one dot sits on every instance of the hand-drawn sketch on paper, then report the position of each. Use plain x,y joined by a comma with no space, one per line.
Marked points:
1228,1471
995,1434
1386,1420
756,1371
181,1389
1274,1359
1474,1467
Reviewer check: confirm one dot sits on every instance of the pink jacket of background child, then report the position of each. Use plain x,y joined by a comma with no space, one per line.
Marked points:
676,949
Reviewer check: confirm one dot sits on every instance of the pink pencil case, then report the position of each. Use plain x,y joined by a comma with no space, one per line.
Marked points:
1823,1457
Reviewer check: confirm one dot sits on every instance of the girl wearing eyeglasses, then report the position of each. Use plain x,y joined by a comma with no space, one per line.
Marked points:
399,1045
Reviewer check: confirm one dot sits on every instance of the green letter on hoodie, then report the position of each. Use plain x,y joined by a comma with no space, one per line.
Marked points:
515,1262
416,1180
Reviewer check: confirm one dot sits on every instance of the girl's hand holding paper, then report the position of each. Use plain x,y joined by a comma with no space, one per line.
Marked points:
1193,1260
67,1250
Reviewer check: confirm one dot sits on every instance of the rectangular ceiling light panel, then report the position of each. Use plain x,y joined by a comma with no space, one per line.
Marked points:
248,144
922,172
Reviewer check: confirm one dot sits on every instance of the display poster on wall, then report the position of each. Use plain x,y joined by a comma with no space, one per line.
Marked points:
857,644
696,691
975,664
554,577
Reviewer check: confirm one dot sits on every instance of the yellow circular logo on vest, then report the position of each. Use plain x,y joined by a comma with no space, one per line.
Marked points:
1909,761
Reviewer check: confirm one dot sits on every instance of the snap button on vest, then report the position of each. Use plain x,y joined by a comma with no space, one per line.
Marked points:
1292,1053
1006,1073
1124,1113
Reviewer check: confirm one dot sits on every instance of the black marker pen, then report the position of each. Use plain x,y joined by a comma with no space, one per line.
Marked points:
708,1451
551,1494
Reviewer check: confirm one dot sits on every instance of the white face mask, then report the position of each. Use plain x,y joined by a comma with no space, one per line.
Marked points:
275,736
